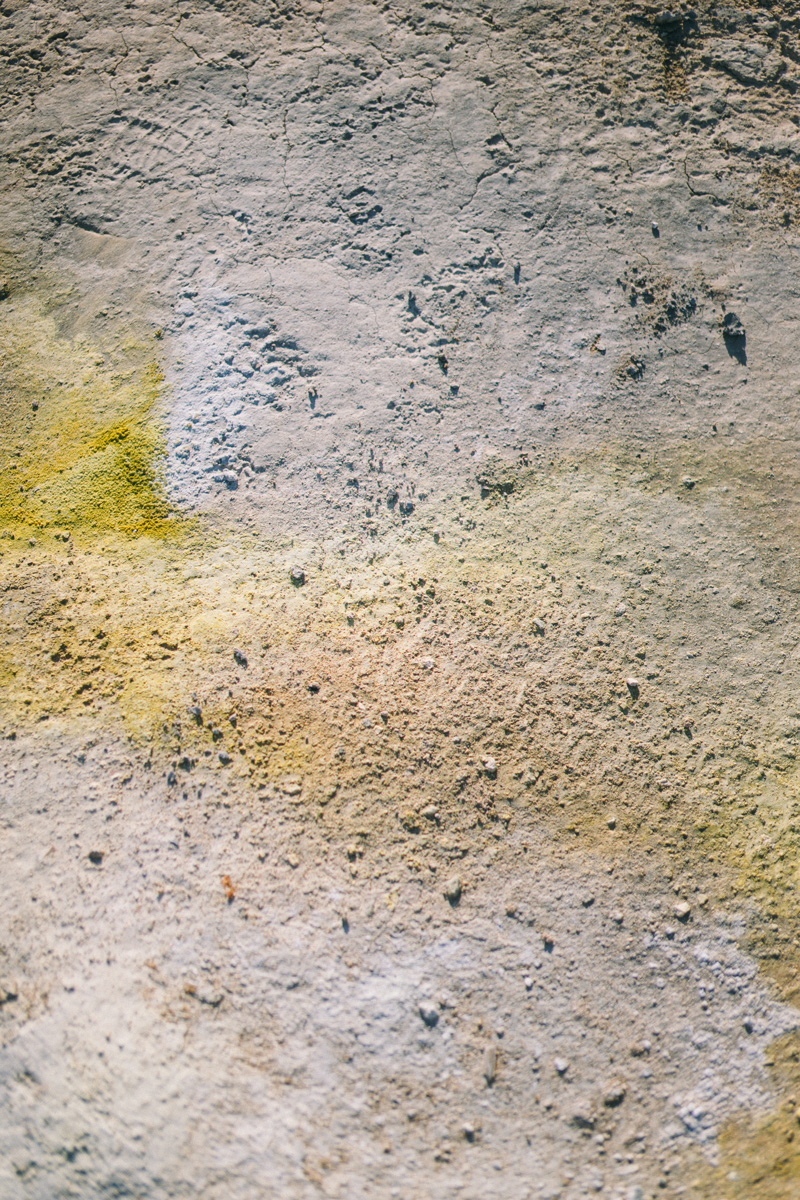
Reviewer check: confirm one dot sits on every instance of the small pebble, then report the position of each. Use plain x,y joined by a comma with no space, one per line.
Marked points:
240,658
583,1117
490,767
490,1065
620,610
561,1066
538,626
682,910
732,327
633,687
452,890
429,1014
614,1093
297,576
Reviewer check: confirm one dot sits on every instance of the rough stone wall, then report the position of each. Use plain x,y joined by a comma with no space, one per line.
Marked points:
399,481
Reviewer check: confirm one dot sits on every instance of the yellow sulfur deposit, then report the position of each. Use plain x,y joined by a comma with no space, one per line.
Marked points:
80,436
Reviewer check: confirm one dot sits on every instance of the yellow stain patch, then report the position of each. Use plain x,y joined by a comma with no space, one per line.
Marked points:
81,442
760,1159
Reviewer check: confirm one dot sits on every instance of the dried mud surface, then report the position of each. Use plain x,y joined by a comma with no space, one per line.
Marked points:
399,447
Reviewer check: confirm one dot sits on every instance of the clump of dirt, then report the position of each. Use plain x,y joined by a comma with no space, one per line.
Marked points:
630,369
660,301
497,478
778,194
